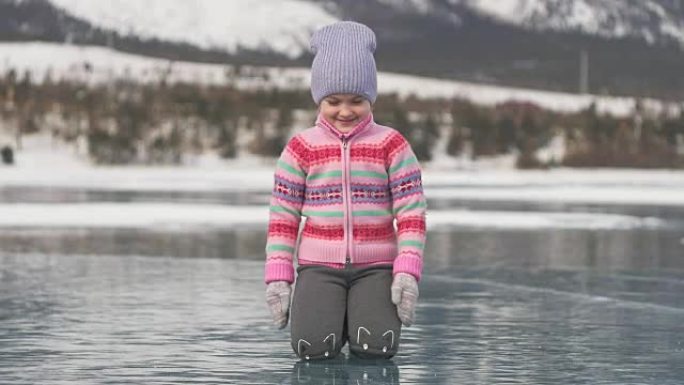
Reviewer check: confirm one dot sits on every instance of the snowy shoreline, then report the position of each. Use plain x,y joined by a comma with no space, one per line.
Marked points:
185,217
604,186
94,64
46,165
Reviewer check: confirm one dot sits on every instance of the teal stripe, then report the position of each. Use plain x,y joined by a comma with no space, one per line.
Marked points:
325,175
417,244
360,213
371,213
370,174
324,213
287,248
290,169
403,164
338,173
280,209
411,206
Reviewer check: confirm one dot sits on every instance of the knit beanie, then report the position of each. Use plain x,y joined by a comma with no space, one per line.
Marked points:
343,61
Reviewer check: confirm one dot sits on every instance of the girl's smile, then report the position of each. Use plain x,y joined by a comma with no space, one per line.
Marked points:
344,111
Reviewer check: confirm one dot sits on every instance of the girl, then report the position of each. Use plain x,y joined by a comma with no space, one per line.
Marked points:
351,178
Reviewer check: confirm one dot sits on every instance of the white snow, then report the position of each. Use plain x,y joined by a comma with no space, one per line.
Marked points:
103,65
605,187
492,95
609,18
162,216
45,165
145,215
530,220
511,11
97,65
407,6
283,26
605,195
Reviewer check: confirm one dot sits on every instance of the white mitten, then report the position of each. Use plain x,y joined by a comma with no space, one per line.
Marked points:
278,299
405,296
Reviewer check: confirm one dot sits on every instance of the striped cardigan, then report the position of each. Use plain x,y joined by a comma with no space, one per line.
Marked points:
350,187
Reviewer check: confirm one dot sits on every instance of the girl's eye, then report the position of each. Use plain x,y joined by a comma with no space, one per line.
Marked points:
333,102
357,101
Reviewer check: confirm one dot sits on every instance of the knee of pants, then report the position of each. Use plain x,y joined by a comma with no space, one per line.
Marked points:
365,344
315,348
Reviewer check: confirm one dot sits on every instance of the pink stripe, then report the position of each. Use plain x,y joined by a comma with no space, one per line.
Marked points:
408,263
326,251
341,265
279,272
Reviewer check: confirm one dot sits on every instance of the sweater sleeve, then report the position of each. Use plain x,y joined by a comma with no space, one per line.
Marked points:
285,211
408,206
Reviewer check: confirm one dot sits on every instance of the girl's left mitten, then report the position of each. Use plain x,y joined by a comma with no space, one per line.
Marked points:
405,296
278,300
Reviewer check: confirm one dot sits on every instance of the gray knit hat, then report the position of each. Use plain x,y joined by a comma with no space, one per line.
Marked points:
343,61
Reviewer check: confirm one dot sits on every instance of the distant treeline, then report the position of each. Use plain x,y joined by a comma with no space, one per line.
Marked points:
131,123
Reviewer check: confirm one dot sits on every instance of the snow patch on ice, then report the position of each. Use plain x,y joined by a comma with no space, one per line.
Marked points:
177,215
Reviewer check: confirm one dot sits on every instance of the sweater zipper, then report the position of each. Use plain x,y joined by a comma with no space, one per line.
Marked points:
347,200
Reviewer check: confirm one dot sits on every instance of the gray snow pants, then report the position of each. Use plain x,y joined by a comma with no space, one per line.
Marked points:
332,306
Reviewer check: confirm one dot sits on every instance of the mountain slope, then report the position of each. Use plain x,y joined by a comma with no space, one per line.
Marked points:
632,45
651,20
654,21
281,26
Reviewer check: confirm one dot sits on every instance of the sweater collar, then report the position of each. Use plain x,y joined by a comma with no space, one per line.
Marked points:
324,124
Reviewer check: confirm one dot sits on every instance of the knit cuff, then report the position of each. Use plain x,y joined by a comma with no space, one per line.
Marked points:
279,272
408,263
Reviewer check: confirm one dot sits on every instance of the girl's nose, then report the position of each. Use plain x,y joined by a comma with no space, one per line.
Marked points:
345,111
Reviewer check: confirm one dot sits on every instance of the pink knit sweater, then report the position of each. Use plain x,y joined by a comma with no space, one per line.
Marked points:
350,187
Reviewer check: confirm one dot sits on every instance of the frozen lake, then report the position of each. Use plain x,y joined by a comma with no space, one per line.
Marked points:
515,291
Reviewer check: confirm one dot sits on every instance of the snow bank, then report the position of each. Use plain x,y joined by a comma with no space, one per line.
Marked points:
98,64
166,216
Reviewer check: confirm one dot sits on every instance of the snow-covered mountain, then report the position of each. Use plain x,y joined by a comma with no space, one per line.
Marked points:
282,26
634,47
651,20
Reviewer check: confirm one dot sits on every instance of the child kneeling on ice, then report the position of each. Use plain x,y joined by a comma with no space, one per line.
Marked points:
357,276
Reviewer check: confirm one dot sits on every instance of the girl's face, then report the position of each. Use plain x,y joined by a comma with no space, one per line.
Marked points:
344,111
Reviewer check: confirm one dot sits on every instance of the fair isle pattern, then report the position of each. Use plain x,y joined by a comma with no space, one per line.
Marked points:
310,155
327,195
323,195
361,232
373,232
369,153
407,224
369,193
330,232
287,190
393,145
381,174
407,185
282,229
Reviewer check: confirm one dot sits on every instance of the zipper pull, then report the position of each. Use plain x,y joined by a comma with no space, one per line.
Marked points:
344,142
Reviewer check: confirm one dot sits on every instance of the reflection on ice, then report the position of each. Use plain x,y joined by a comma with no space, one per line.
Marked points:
148,286
82,319
183,215
343,371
